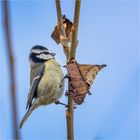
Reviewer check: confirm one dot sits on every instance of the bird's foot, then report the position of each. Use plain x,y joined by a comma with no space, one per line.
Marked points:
67,93
60,103
66,76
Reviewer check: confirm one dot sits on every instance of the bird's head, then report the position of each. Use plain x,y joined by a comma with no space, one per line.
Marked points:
39,54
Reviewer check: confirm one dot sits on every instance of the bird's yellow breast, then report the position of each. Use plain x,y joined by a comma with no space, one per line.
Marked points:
50,85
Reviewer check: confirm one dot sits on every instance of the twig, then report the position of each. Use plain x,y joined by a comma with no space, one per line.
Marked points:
11,70
70,54
75,30
70,120
70,111
64,43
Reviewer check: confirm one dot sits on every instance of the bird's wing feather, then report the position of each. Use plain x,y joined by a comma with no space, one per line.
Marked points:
34,85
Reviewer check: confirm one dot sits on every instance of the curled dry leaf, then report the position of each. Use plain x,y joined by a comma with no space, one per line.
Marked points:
67,24
81,77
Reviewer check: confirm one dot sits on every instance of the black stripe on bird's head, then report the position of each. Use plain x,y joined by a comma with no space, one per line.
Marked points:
39,54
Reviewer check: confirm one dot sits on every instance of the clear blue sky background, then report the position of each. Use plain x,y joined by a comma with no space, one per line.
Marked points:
108,33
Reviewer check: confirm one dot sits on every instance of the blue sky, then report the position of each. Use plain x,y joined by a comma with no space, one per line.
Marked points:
108,34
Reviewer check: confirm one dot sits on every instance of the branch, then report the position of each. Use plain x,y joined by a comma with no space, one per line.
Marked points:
11,70
64,43
75,30
70,54
70,120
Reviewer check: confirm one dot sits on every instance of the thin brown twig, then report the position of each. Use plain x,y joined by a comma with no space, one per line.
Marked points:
70,111
70,120
74,41
11,69
64,43
70,54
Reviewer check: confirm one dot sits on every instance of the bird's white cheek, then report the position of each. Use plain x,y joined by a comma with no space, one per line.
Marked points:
44,56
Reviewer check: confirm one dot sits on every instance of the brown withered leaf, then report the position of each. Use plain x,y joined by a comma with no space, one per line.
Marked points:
68,28
82,77
89,72
55,35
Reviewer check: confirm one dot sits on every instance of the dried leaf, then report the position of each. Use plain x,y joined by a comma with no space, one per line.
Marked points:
82,77
89,72
67,24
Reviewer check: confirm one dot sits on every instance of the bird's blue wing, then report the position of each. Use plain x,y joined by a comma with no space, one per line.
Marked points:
33,89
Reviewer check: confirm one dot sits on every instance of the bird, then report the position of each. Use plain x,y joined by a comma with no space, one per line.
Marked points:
46,80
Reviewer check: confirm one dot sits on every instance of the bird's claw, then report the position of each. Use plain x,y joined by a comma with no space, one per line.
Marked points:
60,103
66,76
67,93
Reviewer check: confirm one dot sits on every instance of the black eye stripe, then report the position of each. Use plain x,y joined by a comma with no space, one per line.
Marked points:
40,53
35,59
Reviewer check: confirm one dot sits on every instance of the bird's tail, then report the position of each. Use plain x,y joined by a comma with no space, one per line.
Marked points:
28,113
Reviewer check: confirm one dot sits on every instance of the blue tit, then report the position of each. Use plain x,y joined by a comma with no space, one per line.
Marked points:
46,80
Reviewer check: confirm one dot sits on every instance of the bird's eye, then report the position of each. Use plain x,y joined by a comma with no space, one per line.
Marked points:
46,52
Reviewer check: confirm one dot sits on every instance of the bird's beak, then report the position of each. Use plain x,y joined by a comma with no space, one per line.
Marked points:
53,54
